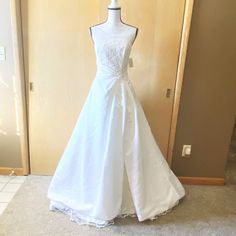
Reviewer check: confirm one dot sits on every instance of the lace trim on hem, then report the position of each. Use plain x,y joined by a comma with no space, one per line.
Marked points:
82,220
77,218
151,218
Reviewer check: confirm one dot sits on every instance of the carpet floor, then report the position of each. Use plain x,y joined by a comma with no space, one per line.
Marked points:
205,210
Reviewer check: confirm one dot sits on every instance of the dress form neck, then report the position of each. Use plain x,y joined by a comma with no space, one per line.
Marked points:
113,26
114,18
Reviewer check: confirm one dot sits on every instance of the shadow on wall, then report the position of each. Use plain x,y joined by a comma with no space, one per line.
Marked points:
208,98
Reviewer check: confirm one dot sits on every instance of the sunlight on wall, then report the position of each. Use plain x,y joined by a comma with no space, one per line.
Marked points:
16,105
3,83
10,148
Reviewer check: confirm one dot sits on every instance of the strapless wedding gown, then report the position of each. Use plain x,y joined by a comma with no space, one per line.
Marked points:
112,166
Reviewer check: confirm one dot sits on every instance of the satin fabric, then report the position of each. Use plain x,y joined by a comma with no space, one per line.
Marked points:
112,165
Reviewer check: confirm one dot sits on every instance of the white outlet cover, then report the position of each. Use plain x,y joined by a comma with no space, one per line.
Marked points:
186,151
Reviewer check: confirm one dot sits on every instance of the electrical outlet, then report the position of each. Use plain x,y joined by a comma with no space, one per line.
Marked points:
186,151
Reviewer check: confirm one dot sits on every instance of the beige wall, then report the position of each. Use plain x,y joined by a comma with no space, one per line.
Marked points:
10,151
208,101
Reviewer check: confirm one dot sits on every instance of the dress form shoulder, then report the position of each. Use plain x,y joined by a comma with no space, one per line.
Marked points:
124,29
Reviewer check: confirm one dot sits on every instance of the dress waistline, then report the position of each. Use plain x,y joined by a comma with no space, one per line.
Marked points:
119,75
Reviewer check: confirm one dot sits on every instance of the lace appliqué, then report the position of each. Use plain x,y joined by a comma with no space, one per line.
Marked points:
86,220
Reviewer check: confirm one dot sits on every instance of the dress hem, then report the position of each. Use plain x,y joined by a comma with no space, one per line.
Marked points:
91,221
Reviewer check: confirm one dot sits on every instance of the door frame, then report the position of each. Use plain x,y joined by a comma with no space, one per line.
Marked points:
180,75
16,25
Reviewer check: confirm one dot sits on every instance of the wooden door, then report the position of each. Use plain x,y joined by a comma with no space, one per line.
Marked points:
61,67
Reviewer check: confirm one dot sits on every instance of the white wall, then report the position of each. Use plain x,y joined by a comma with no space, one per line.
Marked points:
10,152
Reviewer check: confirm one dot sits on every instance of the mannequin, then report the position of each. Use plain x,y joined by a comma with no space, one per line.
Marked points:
113,25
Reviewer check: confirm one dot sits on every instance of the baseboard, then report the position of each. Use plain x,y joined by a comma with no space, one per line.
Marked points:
183,179
8,171
201,180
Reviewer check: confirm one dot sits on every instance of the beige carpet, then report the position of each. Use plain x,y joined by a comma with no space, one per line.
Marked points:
206,210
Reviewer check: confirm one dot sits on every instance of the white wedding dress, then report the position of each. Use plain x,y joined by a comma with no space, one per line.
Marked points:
112,166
